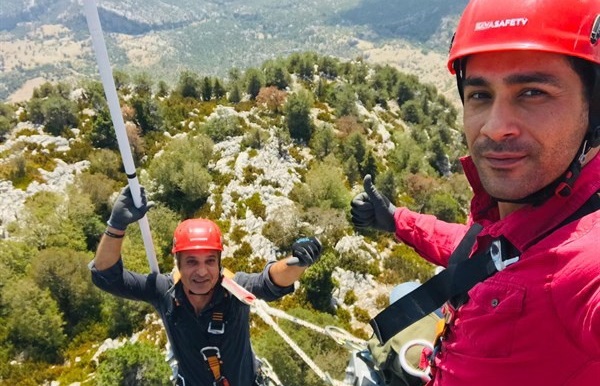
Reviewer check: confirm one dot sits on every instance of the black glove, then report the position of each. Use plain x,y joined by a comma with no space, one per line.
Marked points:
305,252
373,209
124,211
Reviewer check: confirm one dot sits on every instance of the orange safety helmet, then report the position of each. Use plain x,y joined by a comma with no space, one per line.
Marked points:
195,234
569,27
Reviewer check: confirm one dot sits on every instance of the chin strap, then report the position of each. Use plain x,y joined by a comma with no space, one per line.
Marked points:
561,187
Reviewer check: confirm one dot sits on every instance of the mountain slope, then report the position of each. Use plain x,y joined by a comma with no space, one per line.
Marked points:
209,37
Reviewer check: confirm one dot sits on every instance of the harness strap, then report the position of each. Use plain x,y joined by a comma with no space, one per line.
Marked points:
453,283
211,353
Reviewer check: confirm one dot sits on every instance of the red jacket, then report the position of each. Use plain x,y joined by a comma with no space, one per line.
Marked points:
538,321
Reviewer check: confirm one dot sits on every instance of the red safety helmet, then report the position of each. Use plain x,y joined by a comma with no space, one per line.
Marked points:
569,27
195,234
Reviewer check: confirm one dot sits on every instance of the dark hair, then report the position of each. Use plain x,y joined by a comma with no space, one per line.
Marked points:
585,70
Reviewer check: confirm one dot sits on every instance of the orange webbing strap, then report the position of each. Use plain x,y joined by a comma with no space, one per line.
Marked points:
212,356
215,366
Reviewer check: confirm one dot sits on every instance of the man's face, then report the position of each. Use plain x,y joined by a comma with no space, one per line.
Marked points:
199,270
525,117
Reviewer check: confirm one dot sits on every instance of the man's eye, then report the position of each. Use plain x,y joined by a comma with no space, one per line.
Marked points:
533,92
477,95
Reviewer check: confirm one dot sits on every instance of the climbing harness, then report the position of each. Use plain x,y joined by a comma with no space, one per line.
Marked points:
449,288
211,353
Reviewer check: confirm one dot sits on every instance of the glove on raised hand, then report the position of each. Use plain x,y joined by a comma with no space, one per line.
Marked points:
125,212
305,252
372,209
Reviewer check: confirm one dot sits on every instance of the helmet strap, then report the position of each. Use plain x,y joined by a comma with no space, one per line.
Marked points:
593,135
459,68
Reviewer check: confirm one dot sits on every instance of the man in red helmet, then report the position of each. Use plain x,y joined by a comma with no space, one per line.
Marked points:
207,327
528,73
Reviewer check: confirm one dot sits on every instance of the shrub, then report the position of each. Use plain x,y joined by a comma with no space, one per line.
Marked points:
350,298
404,264
255,204
133,364
361,315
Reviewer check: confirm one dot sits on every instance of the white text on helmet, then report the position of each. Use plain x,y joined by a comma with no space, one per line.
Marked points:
517,22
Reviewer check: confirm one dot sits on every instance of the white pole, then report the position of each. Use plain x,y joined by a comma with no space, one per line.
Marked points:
93,22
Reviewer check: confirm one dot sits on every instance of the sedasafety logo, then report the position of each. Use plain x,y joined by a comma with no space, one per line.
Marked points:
503,23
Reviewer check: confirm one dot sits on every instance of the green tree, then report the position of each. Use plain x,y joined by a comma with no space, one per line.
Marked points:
206,89
351,170
162,89
234,93
147,113
59,114
188,85
384,82
297,115
328,67
46,223
255,138
302,64
412,112
323,142
325,186
387,185
445,207
103,134
318,284
64,273
366,95
408,156
80,211
121,80
254,80
33,321
406,88
344,101
276,74
123,317
142,84
181,174
355,147
132,365
7,119
369,164
99,187
218,89
220,127
16,256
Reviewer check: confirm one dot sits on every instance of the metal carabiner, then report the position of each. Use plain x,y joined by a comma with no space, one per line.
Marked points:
496,254
424,375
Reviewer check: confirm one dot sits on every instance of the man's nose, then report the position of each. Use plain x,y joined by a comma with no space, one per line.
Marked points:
202,269
501,121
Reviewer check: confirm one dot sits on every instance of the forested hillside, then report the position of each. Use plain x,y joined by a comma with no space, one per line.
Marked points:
271,154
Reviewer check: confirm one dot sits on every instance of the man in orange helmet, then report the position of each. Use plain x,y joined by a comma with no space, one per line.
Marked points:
528,73
207,327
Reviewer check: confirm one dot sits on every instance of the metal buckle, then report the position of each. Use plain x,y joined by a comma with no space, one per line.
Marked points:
496,253
216,331
217,353
595,34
